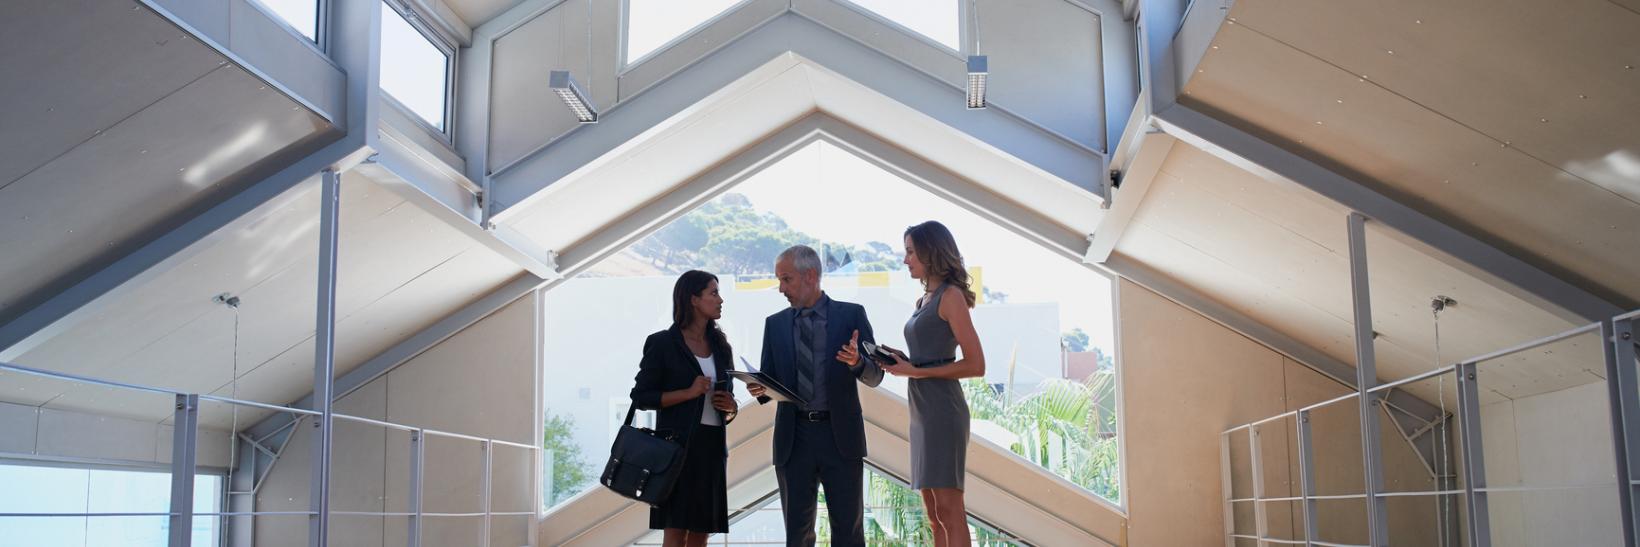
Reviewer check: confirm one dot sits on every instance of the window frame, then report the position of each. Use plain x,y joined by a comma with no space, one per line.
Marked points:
452,57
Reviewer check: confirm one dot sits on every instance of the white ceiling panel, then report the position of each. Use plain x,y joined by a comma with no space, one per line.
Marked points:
1278,254
400,270
1513,122
105,197
285,233
1545,76
76,67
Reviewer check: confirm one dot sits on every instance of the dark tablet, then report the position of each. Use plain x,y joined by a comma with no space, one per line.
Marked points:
879,353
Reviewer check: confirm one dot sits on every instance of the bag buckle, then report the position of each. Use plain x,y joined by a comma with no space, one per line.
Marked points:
642,481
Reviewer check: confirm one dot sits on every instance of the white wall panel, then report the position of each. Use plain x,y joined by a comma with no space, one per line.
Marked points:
79,435
524,114
480,382
1564,439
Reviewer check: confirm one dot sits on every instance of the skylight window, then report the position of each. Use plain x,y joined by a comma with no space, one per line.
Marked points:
937,20
415,71
301,15
653,24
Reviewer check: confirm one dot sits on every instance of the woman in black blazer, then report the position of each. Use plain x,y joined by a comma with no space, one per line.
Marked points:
681,366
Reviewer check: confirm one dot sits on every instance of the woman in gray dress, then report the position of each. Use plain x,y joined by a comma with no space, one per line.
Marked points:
939,412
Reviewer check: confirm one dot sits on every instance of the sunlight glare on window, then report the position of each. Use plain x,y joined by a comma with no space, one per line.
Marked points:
935,19
650,24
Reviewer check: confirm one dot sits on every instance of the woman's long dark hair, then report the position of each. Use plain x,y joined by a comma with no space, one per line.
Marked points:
942,262
691,284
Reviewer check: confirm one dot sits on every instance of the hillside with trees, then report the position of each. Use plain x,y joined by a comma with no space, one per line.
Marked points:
728,236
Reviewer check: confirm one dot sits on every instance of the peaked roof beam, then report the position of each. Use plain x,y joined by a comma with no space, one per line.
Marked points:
675,99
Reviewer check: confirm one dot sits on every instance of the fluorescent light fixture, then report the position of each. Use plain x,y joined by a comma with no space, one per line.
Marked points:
978,69
573,97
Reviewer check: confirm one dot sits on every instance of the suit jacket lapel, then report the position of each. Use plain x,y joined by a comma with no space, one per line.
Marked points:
682,346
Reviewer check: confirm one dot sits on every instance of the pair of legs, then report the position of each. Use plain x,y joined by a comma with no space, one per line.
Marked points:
816,461
679,537
948,516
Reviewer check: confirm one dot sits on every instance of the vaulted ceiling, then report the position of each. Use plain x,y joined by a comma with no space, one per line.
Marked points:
1510,124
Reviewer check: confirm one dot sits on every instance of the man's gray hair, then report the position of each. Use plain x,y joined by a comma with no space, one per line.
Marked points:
803,258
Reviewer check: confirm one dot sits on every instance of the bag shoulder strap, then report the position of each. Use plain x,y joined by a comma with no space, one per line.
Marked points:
631,409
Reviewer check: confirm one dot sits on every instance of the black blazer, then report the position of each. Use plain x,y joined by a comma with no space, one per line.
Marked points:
668,365
780,361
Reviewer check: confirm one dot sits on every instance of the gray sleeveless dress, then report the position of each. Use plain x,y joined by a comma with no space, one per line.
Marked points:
939,412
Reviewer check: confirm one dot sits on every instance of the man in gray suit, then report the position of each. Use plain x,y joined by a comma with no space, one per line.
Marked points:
809,348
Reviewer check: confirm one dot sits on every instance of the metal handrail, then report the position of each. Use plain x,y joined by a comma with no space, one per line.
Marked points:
1465,373
407,428
1332,401
1414,378
1591,327
1289,414
185,436
150,389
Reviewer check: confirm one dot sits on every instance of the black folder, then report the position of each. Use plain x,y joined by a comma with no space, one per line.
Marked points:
775,390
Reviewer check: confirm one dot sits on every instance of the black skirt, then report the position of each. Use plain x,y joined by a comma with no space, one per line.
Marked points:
699,501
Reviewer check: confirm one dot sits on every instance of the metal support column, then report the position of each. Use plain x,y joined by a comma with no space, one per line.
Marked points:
184,454
1227,485
1366,377
1261,526
1474,460
1306,473
418,453
324,360
489,460
1624,392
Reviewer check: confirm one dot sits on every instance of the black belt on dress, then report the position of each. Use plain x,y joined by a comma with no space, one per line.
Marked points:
814,415
935,363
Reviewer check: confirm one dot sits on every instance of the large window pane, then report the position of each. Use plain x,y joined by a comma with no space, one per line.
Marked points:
302,15
32,489
938,20
651,24
414,71
42,489
1045,322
